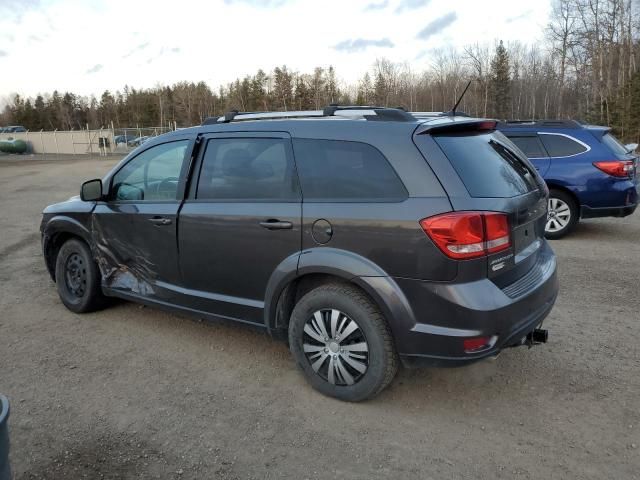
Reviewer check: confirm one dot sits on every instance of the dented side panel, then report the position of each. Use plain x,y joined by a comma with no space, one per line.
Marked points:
132,250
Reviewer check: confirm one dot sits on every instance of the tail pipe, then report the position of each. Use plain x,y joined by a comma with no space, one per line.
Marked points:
539,335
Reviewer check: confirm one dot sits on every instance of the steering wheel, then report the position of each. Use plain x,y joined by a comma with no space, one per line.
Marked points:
166,186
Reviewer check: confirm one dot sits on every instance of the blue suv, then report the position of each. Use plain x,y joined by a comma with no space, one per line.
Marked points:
588,171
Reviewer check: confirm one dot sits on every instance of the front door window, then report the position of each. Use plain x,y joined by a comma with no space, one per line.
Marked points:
151,176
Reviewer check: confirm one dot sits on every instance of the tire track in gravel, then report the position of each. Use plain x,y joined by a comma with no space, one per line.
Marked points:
21,244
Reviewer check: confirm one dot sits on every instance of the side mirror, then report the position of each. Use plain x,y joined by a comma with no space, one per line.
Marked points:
631,147
91,191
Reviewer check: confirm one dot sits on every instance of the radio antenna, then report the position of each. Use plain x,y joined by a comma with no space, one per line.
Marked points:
453,110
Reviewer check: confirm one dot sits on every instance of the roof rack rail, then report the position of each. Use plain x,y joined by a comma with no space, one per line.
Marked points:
457,113
397,114
333,110
541,123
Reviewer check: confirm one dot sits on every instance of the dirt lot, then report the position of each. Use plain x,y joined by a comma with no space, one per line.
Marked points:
132,392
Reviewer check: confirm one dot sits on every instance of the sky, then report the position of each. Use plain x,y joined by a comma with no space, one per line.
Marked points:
88,46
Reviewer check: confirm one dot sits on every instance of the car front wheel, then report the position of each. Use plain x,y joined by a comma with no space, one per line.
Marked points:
78,278
342,343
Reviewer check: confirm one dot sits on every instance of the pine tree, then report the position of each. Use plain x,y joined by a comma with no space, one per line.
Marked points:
39,106
283,88
332,94
303,97
365,91
500,83
257,93
634,109
381,91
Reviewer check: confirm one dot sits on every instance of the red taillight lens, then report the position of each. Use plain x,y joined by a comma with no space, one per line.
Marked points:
616,168
496,231
471,345
464,235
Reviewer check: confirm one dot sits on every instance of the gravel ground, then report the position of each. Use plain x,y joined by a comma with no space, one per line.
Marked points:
133,392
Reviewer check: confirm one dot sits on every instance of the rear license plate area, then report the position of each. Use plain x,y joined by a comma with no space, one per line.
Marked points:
524,236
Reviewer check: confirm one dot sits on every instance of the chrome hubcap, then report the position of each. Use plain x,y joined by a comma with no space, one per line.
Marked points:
335,347
558,215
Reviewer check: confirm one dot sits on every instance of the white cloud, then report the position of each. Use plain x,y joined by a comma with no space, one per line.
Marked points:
95,69
405,5
361,44
373,6
437,25
56,43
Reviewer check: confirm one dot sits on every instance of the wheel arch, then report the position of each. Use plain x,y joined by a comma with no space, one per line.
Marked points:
554,185
324,265
57,231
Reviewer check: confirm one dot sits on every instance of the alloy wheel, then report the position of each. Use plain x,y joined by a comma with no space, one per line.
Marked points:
336,347
558,215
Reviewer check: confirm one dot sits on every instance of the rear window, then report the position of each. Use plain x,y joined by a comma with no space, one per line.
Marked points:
530,145
613,143
561,145
332,170
487,165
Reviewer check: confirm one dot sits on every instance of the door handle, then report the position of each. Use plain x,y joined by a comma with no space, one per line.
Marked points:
276,225
158,221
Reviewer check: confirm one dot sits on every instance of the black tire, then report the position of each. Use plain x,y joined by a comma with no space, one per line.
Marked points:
78,278
355,305
553,230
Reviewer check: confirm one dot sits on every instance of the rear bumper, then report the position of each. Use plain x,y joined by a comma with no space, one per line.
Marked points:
614,198
588,212
446,314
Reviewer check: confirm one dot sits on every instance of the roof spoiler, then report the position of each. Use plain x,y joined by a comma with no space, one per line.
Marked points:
458,126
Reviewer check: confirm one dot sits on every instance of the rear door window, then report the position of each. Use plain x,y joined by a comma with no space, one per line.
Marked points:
332,170
242,169
488,165
530,145
561,145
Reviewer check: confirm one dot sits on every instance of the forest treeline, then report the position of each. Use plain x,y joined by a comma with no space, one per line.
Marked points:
586,68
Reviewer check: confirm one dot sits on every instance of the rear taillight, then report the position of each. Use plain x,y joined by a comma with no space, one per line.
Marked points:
464,235
616,168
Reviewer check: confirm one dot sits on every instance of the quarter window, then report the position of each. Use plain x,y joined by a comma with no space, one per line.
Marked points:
332,170
613,143
151,176
530,145
248,169
561,146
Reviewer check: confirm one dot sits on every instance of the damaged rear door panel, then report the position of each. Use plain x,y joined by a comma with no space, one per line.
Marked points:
135,229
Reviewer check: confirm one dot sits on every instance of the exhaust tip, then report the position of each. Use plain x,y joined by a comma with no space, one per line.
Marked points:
539,335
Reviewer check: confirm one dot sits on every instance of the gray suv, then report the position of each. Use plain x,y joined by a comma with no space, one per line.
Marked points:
365,237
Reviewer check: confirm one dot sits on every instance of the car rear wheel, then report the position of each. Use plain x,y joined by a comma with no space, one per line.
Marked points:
78,278
562,214
342,343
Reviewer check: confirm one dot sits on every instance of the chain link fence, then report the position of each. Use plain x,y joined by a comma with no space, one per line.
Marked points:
104,141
